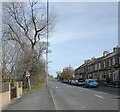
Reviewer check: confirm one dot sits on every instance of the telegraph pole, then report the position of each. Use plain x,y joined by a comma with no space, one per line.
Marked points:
47,43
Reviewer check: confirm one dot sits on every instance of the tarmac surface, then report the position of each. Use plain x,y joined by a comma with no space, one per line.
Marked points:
39,100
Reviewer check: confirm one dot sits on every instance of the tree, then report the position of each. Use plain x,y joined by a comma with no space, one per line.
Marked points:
67,73
26,22
25,26
58,75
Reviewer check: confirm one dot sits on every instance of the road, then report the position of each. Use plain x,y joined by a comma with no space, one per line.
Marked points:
68,97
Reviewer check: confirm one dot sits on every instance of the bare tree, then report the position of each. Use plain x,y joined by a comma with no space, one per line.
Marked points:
26,22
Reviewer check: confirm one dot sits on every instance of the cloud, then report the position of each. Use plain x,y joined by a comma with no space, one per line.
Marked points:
84,0
81,31
84,21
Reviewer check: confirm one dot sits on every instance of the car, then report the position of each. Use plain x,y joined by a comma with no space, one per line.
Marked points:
69,82
76,82
64,81
80,83
115,83
91,83
72,82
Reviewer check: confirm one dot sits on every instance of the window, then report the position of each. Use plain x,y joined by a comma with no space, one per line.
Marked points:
119,59
104,64
104,77
115,75
91,68
109,62
113,61
99,66
78,70
95,66
100,76
88,69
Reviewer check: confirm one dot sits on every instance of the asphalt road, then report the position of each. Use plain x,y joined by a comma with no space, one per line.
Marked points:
68,97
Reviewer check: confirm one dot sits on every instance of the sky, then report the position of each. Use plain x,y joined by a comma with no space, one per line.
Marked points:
83,30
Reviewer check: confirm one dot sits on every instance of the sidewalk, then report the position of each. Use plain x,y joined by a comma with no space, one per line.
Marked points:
40,100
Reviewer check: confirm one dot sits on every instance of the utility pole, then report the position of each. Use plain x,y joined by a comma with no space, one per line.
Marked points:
47,43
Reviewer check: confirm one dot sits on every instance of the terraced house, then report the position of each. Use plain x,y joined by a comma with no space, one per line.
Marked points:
105,68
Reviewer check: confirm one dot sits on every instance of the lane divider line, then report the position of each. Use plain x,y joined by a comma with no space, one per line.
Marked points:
98,96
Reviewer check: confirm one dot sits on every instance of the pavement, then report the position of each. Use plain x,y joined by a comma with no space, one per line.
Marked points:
39,100
68,97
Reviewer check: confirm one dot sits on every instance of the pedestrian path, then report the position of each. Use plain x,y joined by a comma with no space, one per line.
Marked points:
40,100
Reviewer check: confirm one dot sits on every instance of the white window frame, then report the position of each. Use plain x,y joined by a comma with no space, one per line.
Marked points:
113,61
104,64
115,75
109,62
95,66
99,65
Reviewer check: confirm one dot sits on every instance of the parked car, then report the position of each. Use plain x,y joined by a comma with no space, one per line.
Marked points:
64,81
72,82
69,82
91,83
80,83
115,83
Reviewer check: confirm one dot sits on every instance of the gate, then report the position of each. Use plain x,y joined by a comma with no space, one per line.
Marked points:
13,90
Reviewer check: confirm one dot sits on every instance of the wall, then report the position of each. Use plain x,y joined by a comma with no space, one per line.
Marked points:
5,98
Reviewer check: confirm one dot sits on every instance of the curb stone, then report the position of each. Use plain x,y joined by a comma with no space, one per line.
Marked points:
50,91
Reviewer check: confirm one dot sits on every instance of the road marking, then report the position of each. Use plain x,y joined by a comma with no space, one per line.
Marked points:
102,92
99,96
19,97
56,87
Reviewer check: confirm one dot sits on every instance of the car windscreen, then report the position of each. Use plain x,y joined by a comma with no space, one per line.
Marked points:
90,81
81,81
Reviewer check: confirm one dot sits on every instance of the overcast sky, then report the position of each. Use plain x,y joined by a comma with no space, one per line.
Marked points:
82,30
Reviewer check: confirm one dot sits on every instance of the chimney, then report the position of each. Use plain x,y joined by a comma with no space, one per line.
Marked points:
93,58
105,53
86,61
116,49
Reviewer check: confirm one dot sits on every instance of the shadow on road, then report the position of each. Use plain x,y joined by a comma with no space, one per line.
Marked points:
110,90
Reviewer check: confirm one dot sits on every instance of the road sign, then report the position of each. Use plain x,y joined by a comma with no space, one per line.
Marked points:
27,74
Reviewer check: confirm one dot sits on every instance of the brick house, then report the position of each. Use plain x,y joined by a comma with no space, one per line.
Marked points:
104,68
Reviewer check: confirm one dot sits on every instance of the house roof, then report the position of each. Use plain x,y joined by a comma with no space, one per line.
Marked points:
100,59
112,54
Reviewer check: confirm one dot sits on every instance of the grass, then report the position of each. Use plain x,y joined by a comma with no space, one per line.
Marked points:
33,88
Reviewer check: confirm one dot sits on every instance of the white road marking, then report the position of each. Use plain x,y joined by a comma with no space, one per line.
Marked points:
56,87
102,92
99,96
19,97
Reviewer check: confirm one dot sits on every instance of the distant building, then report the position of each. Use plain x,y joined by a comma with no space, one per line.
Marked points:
105,68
